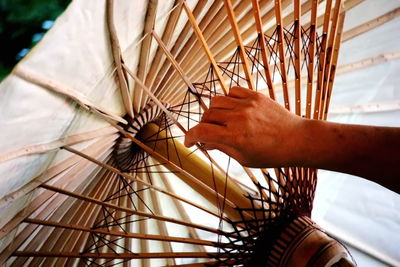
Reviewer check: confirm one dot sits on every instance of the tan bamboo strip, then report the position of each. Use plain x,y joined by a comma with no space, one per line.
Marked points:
10,225
221,41
297,55
185,40
200,37
281,52
181,50
54,86
224,46
79,227
159,60
49,174
181,210
368,62
50,146
322,56
118,60
263,47
371,24
162,227
366,107
154,255
131,211
27,231
70,211
178,68
329,55
236,33
132,178
311,54
143,244
77,239
334,62
144,63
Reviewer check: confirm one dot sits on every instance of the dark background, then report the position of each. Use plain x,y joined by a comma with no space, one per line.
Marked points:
21,27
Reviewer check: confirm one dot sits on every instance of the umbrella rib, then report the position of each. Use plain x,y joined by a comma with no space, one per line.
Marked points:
165,238
130,177
131,211
118,60
200,37
58,88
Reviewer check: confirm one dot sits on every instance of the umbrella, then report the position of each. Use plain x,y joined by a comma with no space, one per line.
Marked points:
95,170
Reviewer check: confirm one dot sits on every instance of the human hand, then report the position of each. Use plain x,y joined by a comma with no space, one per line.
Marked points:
250,127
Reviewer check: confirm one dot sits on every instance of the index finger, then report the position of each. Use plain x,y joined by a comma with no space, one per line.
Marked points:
205,133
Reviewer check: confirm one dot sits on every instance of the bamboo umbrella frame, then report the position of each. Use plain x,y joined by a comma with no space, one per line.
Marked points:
89,210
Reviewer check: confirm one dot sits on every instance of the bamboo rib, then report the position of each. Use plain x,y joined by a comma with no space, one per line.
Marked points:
162,227
132,178
77,240
329,54
311,54
183,42
131,211
219,40
178,68
159,59
334,62
322,57
263,46
239,42
145,52
297,55
78,227
47,147
200,37
116,50
223,45
143,244
153,255
103,145
54,86
27,231
181,210
70,210
281,52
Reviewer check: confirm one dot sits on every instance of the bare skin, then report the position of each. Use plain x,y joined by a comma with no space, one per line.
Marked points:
258,132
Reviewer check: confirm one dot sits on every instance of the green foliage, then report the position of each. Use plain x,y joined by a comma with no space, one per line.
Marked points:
19,21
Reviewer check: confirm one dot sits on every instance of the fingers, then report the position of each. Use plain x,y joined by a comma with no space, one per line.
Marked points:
216,116
206,133
224,102
240,92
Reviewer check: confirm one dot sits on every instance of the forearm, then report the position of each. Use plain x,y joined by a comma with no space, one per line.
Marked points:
366,151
